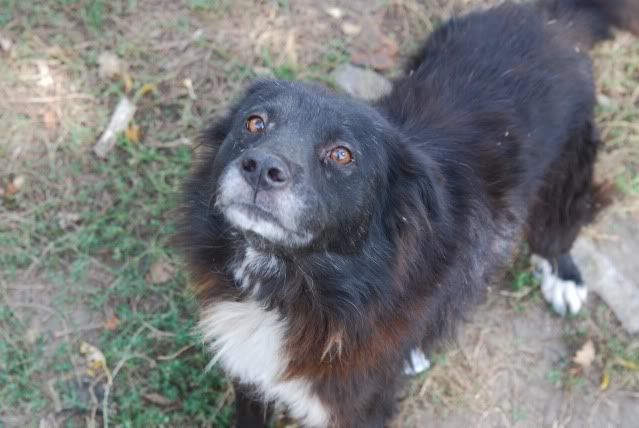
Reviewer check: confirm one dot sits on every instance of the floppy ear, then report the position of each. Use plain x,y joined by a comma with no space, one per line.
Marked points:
416,218
414,194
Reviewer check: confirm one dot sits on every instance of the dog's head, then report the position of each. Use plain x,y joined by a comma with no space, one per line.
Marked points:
296,165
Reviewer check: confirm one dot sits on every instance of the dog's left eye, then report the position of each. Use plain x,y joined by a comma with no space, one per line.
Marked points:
255,124
341,155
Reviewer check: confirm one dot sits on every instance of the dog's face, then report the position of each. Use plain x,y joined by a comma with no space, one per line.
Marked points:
300,165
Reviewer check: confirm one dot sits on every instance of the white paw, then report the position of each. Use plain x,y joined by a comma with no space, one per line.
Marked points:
561,294
418,363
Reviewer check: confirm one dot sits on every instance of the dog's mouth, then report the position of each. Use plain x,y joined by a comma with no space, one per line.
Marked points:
253,219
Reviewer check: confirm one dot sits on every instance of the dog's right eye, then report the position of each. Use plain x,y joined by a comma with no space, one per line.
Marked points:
341,155
255,124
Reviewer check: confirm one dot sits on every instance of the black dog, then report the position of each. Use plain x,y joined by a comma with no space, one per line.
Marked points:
331,241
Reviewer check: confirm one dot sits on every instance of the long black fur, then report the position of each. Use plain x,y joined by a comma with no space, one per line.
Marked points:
488,139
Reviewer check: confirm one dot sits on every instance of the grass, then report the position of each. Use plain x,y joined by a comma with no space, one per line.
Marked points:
84,233
78,240
150,336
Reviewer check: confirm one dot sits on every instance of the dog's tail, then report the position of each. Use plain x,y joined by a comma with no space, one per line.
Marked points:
592,21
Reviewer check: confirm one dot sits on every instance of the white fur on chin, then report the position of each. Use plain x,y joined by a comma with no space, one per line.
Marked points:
289,209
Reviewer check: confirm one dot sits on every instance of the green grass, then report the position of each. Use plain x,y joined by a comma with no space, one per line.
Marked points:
129,235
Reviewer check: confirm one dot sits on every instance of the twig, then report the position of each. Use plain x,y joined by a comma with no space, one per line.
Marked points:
110,377
52,99
63,333
158,333
55,397
36,262
94,398
175,354
518,295
180,142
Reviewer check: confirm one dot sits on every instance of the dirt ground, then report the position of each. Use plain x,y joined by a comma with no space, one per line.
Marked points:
84,243
509,369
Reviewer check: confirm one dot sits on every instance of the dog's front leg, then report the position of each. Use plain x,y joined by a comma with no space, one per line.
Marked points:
249,411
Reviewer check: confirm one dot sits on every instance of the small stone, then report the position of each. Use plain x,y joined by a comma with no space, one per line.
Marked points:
110,66
361,83
609,266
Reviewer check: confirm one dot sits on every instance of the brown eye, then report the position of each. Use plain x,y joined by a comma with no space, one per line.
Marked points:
255,124
341,155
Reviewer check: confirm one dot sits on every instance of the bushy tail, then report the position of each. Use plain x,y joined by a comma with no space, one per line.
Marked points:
591,21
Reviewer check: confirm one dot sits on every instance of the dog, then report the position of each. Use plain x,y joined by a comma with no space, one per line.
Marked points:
332,243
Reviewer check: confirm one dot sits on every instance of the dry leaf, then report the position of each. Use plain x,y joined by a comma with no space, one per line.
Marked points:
50,119
605,381
5,44
351,29
96,362
147,88
112,323
133,133
188,84
45,79
158,399
160,272
120,119
334,12
585,356
15,185
630,365
109,65
128,82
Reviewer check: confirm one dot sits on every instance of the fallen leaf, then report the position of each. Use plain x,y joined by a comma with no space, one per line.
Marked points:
188,84
15,185
158,399
586,355
109,65
160,272
605,381
128,82
147,88
351,29
96,362
120,119
133,133
112,323
50,119
5,44
45,79
630,365
334,12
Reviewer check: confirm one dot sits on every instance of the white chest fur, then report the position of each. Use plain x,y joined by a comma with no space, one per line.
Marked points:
248,342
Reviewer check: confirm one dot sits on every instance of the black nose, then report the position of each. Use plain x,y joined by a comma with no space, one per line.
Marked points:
264,171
